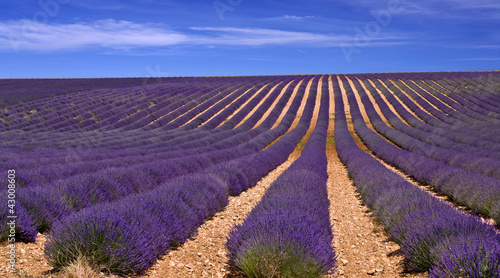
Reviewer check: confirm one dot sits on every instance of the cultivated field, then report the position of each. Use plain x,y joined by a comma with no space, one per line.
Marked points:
357,175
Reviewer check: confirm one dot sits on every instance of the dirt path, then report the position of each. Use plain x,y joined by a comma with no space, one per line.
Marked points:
29,259
299,113
290,101
395,97
204,255
409,82
364,248
412,100
231,103
271,108
260,104
416,93
243,105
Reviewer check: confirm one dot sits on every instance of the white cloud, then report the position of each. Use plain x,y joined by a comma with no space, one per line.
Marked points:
477,59
125,36
256,37
469,10
476,46
474,4
29,35
293,17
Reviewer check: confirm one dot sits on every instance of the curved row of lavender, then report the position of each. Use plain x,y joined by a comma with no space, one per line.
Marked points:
164,149
44,107
471,189
17,91
437,118
421,142
432,234
435,133
164,140
56,199
129,235
104,141
288,232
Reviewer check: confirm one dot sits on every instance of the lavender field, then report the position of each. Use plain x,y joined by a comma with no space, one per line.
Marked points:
119,172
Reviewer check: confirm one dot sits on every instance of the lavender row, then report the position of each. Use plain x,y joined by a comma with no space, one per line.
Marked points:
94,142
129,235
484,85
454,100
46,205
202,118
88,100
473,125
47,92
103,121
92,156
431,124
210,142
70,140
465,122
473,84
399,136
463,112
485,140
100,137
423,131
468,101
433,235
16,92
122,95
290,228
475,191
487,102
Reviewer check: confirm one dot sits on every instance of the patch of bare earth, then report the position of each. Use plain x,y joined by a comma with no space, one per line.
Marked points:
29,259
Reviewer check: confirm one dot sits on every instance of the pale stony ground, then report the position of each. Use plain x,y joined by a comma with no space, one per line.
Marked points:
29,259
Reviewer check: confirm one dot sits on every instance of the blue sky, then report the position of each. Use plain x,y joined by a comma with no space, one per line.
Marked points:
137,38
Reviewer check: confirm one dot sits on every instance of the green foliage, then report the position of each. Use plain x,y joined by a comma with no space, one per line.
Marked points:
270,262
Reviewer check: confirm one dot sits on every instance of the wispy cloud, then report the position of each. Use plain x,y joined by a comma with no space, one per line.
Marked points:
474,4
257,37
29,35
445,9
477,59
125,36
293,17
453,9
476,46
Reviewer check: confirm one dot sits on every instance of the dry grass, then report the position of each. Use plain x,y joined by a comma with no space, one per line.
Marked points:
80,268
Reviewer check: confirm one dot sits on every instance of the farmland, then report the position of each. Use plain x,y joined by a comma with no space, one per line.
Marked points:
387,174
